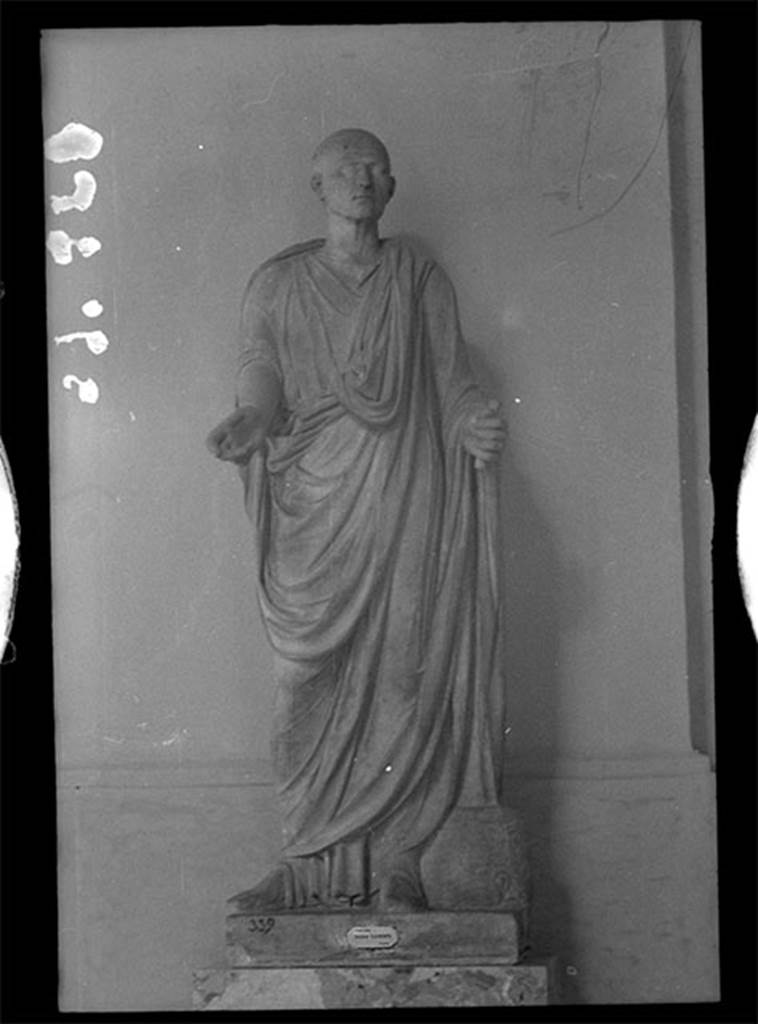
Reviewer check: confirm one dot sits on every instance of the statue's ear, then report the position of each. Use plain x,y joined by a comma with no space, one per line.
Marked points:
316,183
393,183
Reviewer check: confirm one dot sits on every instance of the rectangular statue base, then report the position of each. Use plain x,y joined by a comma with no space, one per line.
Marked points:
362,938
348,986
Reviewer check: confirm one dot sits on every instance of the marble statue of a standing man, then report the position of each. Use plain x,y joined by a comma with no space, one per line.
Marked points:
362,441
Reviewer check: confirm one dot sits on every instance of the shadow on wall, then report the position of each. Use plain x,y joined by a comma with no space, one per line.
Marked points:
544,595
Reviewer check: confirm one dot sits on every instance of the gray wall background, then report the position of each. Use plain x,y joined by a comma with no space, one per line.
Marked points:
536,163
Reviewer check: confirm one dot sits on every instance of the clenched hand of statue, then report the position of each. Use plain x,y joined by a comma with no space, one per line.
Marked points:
484,434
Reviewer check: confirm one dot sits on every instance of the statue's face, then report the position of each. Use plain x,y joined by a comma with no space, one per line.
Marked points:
353,179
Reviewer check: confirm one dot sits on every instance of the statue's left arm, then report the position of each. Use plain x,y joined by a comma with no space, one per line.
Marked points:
470,417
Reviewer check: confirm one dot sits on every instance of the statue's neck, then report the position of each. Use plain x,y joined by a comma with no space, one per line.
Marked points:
352,243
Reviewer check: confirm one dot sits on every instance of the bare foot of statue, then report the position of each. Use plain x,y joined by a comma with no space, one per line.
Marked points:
401,892
271,896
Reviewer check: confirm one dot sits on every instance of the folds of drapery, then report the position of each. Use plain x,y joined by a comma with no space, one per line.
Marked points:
377,578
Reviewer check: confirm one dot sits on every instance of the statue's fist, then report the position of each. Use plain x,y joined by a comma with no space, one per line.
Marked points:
238,436
484,434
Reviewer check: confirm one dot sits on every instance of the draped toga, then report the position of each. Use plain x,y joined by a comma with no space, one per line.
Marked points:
375,561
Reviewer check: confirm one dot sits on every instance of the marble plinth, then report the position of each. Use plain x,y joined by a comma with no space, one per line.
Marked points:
353,937
489,869
348,986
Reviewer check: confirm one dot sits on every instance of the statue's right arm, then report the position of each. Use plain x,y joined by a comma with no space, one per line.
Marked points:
240,434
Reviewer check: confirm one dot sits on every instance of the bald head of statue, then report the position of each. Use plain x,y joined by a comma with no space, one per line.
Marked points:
352,175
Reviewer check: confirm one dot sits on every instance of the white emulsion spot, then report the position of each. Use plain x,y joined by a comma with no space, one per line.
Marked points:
73,142
88,389
177,736
92,308
88,246
85,187
60,244
95,341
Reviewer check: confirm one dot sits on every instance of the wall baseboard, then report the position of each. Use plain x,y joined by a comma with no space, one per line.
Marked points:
257,771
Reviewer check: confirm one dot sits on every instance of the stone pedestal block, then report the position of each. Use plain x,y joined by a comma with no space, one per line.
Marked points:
478,861
368,938
349,986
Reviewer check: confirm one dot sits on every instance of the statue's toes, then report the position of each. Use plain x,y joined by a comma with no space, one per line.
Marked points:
241,897
267,897
244,901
